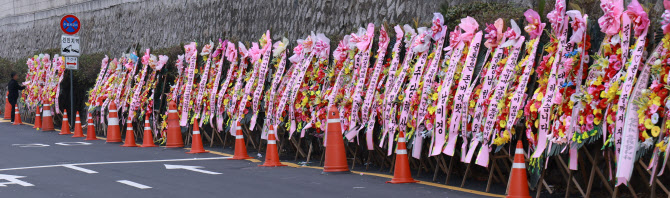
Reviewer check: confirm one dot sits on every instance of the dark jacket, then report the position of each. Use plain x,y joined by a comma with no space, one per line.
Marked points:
14,89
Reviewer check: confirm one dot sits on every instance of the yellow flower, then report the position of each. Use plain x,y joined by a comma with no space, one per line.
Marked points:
502,124
596,121
434,97
655,131
661,146
540,96
533,108
318,124
598,81
432,109
609,120
647,123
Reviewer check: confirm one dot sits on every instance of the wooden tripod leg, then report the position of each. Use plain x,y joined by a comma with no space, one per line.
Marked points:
422,165
392,164
367,164
656,181
632,191
437,168
211,141
600,173
539,186
491,171
450,169
309,153
589,186
570,179
465,176
353,162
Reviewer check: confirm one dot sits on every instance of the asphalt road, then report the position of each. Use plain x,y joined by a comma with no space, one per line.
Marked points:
45,164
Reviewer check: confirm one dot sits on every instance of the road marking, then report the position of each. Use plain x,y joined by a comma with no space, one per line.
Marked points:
80,169
72,143
191,168
13,179
118,162
134,184
32,145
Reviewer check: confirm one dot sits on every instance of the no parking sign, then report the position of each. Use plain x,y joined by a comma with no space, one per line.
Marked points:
70,24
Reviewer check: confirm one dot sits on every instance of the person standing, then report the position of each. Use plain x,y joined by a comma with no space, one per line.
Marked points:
14,88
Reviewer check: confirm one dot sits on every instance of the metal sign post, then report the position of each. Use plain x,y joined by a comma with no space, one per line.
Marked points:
70,25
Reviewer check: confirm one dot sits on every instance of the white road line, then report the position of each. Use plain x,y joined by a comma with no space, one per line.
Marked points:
134,184
118,162
73,167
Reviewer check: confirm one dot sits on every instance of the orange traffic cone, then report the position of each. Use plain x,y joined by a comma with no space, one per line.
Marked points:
336,158
174,139
196,140
271,152
17,116
148,139
130,135
38,119
47,119
401,173
113,128
65,129
518,187
8,108
78,131
90,128
240,147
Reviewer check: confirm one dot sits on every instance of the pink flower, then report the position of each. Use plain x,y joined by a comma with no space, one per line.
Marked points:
494,33
555,17
231,52
363,41
244,53
558,98
610,22
146,57
653,108
437,29
578,25
340,53
534,27
322,45
589,126
655,84
639,17
190,49
255,52
589,118
222,46
454,36
162,59
421,42
179,64
665,18
615,63
383,39
470,26
297,54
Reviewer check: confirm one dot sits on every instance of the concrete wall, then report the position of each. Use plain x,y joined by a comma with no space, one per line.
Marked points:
111,26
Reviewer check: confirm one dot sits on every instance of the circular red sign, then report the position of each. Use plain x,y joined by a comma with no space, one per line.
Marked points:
70,24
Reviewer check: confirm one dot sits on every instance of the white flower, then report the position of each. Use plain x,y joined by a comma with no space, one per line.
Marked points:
667,104
657,62
654,118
